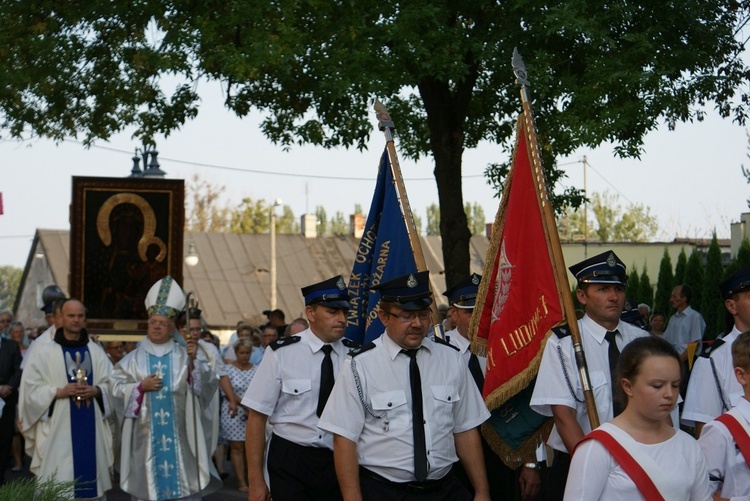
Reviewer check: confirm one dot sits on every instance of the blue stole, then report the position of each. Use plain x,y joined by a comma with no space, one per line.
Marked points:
82,424
164,430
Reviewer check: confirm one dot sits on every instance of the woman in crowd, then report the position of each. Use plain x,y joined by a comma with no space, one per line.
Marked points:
674,466
658,323
240,372
18,334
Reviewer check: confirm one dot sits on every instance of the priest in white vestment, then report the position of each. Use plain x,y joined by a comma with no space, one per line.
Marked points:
160,389
65,395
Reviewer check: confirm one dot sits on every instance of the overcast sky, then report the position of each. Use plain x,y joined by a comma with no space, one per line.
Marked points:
690,178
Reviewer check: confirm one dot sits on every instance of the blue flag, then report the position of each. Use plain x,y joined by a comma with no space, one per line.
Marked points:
384,252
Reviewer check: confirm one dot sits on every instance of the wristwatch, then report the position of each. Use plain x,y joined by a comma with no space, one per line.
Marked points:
534,466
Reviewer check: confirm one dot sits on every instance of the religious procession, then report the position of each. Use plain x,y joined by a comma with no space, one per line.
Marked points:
511,393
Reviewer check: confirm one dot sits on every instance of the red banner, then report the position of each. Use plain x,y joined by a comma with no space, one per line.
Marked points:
518,301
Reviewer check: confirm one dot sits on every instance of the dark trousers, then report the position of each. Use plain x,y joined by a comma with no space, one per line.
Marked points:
376,488
558,477
7,428
299,473
502,480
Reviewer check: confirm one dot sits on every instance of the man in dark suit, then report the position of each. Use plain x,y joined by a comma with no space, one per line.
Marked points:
10,379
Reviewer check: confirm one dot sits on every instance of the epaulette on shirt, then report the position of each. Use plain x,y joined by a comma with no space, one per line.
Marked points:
713,346
349,343
561,331
284,341
361,349
443,342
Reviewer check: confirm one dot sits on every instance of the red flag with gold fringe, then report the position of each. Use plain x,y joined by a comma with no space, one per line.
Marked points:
518,303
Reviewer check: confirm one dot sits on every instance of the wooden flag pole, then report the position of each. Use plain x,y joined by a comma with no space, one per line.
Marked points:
385,123
548,219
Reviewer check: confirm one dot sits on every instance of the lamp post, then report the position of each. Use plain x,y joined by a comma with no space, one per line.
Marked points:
276,203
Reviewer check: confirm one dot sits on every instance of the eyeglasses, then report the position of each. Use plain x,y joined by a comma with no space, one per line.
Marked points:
159,323
410,316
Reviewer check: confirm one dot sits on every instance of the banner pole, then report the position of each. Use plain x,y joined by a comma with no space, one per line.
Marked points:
558,263
385,124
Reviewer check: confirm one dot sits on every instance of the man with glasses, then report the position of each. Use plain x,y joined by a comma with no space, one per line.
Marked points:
161,389
405,408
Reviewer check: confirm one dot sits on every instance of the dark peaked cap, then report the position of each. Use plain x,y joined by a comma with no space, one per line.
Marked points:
408,292
464,294
737,282
331,293
604,268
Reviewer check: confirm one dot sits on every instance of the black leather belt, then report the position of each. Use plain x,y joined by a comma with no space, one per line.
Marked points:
410,487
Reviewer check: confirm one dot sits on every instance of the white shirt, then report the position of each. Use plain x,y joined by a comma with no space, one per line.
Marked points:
702,400
456,339
552,389
595,475
286,388
385,445
684,327
723,458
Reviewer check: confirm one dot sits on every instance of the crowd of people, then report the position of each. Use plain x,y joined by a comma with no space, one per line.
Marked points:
305,413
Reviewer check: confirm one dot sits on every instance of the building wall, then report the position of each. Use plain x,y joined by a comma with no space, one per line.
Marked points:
39,276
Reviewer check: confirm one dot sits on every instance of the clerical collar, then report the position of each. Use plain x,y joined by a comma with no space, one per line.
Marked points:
82,340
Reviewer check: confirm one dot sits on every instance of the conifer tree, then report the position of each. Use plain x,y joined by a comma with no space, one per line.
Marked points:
694,278
664,284
633,285
646,290
679,269
712,307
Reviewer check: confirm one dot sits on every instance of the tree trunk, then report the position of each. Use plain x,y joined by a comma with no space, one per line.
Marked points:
446,115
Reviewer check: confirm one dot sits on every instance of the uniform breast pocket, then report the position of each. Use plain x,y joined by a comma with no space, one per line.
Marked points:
391,405
295,392
599,385
444,398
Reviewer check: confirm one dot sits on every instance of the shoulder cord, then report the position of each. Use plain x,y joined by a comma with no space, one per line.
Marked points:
567,378
718,385
358,383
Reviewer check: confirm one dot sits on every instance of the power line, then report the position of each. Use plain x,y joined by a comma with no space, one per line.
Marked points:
270,173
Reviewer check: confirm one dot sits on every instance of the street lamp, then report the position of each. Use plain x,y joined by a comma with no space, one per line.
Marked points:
191,259
277,203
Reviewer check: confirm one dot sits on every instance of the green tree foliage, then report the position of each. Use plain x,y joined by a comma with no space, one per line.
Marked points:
694,278
646,290
322,219
679,269
417,222
203,211
287,222
610,223
712,307
475,218
571,225
339,225
664,284
743,254
598,74
10,280
251,216
433,220
634,286
741,259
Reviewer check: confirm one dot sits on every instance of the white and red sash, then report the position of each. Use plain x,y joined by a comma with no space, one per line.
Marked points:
648,477
739,429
